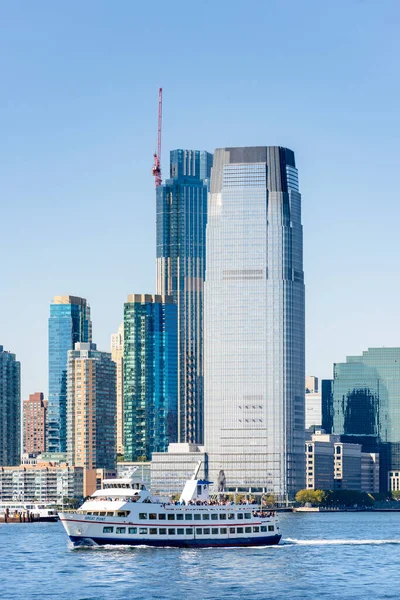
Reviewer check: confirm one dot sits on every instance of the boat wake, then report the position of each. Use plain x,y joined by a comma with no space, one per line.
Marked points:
323,542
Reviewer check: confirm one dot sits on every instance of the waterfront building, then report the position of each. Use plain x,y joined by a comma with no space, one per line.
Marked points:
45,482
69,323
117,355
137,471
364,397
254,321
313,410
34,428
170,470
91,408
311,384
10,408
181,261
150,375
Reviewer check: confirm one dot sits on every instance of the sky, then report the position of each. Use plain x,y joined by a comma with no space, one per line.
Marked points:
78,127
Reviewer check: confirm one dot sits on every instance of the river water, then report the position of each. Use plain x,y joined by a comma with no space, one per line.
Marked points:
342,555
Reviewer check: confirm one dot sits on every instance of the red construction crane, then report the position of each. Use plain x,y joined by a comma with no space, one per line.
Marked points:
156,170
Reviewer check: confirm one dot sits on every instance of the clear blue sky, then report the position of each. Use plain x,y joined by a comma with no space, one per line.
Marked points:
78,110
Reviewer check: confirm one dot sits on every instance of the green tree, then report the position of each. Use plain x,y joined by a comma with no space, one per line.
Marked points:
314,497
396,494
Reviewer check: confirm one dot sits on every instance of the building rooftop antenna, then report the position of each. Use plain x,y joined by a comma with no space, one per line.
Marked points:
156,170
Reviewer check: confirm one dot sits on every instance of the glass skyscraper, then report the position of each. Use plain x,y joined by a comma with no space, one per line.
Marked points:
364,398
181,256
254,322
150,375
10,409
69,323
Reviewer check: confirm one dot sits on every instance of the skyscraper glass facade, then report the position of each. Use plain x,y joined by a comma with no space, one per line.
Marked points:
10,409
69,323
365,397
150,375
254,321
181,256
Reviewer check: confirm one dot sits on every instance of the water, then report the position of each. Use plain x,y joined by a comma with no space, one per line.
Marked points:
342,555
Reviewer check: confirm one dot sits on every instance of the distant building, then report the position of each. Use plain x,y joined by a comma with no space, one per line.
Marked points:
117,355
69,323
313,410
364,399
10,408
320,463
150,375
311,384
170,470
181,263
35,410
91,408
138,471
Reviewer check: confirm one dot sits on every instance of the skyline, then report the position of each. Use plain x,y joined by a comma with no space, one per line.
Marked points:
75,149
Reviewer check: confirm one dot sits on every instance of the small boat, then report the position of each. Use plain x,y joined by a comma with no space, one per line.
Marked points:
26,512
124,512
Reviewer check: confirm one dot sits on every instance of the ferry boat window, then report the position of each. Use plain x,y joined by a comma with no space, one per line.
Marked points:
171,531
179,517
96,514
120,530
247,515
122,513
153,531
152,516
214,517
263,528
231,530
142,516
89,512
270,528
162,517
231,515
222,516
180,531
240,516
215,531
199,531
109,514
197,517
132,530
102,514
223,530
247,529
239,530
206,517
206,531
108,529
171,517
256,530
162,531
189,531
188,517
142,530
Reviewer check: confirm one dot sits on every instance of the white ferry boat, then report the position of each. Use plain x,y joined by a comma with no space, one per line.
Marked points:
40,512
124,512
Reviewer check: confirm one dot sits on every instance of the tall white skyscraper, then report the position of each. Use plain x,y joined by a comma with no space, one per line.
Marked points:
254,321
117,355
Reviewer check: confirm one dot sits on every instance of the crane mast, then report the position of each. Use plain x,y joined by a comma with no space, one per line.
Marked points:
156,170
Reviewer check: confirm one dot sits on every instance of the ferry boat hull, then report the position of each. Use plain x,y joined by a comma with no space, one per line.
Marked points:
195,543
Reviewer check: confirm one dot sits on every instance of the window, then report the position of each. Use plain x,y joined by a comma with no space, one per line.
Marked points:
152,516
239,530
199,531
120,530
108,529
153,531
188,517
215,531
271,528
256,530
247,515
231,516
123,513
222,516
161,517
171,531
197,517
214,517
180,531
179,517
189,531
247,529
231,530
142,516
109,514
206,531
263,528
142,530
162,531
240,516
223,530
132,530
206,517
171,517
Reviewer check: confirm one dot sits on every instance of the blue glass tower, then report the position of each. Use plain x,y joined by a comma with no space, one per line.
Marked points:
150,375
10,409
181,256
69,323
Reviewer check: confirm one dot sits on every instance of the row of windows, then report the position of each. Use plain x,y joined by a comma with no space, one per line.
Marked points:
181,531
195,517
